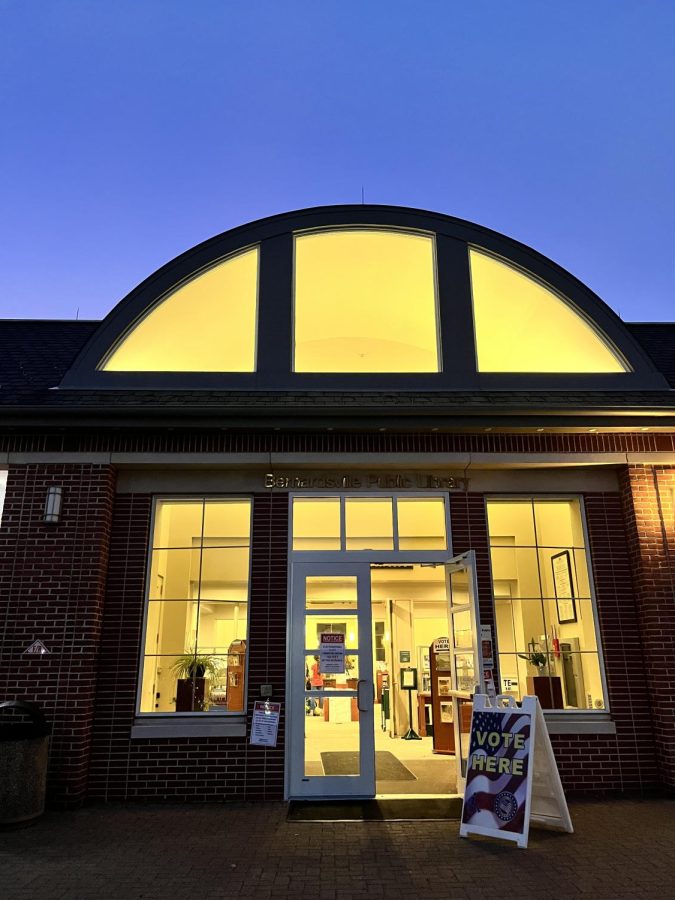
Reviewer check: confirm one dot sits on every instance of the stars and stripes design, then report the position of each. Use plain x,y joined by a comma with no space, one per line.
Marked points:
494,800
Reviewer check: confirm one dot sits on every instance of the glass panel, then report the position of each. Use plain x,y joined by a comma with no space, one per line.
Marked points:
369,524
523,326
221,623
558,523
224,574
177,523
569,681
520,626
326,591
331,736
206,325
515,572
174,574
171,627
461,630
465,672
175,684
459,588
511,524
315,626
421,524
316,523
570,621
316,680
365,301
227,523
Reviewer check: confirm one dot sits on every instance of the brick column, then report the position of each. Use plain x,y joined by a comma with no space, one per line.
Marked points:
647,494
52,579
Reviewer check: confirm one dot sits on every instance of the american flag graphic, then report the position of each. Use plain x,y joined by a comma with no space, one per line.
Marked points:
492,800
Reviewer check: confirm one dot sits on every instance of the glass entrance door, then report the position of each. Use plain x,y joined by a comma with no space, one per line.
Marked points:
466,664
332,748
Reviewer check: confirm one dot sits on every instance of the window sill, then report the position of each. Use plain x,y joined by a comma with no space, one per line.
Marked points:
234,726
579,723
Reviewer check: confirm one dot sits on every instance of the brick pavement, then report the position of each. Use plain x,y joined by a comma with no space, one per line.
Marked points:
621,848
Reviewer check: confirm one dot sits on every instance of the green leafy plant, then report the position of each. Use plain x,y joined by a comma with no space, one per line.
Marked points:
538,660
195,665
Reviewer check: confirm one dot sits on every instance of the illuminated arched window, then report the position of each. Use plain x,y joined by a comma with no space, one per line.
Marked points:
523,326
206,325
365,301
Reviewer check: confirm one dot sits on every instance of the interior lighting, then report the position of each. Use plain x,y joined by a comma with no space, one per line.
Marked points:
522,325
53,504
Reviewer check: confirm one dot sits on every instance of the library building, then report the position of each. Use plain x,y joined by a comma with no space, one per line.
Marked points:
343,467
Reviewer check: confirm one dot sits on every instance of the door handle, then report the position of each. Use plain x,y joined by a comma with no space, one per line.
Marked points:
361,708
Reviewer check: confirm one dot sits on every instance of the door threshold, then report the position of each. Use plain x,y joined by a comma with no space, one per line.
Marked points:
385,809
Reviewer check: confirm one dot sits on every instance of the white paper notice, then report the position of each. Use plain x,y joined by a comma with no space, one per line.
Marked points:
265,724
332,654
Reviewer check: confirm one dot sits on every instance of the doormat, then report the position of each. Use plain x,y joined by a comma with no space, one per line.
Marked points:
432,808
346,762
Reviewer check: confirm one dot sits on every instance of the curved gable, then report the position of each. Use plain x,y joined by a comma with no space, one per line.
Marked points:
362,298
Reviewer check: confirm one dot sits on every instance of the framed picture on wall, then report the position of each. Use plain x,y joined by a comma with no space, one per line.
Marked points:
563,586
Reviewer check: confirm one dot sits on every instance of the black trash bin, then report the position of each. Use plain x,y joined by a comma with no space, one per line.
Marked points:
24,748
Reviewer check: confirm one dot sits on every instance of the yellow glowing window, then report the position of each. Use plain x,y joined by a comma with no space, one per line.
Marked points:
523,326
316,523
365,301
206,325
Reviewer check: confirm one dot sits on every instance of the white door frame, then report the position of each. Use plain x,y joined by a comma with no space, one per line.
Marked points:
462,692
302,786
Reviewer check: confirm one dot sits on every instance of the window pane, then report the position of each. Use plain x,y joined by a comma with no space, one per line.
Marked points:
558,523
206,325
421,524
227,523
316,524
326,591
515,572
521,627
369,524
317,625
523,326
511,524
178,523
316,680
365,301
570,622
196,625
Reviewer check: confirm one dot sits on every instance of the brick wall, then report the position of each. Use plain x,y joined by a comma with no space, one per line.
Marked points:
205,769
647,493
52,581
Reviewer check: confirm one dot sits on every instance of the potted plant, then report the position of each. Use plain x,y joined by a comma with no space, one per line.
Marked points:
544,685
536,659
191,670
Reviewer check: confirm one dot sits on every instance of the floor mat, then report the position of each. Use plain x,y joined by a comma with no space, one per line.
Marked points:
440,808
346,762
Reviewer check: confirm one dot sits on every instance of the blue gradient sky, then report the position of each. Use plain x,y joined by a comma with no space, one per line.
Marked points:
133,130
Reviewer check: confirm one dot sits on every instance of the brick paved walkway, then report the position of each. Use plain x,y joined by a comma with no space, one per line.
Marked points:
621,848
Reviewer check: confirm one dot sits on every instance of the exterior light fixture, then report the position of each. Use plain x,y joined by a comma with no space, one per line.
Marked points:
53,504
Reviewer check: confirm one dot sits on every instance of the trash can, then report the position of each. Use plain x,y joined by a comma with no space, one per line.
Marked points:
24,750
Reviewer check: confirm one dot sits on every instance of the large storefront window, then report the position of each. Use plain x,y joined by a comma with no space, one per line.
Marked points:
545,619
197,610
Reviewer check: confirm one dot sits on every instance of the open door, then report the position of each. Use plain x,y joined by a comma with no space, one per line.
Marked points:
466,672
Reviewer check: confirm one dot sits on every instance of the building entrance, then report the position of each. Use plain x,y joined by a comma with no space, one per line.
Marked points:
393,723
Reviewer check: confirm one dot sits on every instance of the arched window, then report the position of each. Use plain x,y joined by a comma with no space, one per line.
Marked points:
205,325
523,326
365,301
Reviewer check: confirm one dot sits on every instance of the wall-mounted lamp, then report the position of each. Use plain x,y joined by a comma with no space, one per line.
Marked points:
53,504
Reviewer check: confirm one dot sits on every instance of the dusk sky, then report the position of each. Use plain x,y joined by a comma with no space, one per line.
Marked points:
135,129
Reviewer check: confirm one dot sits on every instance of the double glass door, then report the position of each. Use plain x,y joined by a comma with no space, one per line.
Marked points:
331,714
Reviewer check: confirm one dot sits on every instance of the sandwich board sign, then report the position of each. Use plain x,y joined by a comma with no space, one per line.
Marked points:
512,779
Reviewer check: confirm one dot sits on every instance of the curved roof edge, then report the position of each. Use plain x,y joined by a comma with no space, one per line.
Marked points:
276,232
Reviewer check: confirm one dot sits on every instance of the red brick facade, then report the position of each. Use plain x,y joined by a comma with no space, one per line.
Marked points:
648,494
53,584
52,579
